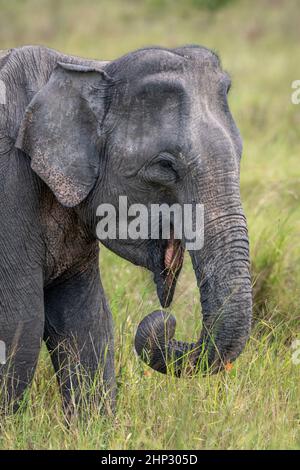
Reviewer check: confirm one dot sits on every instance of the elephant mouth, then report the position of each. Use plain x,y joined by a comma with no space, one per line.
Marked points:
166,274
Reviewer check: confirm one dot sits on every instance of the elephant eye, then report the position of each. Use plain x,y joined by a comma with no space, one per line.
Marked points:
166,164
165,160
161,170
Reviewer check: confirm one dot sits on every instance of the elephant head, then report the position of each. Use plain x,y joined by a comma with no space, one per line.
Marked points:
155,126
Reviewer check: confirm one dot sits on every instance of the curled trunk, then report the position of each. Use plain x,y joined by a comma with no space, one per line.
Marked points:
222,273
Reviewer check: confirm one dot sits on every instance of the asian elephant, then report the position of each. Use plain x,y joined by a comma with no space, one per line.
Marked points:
153,125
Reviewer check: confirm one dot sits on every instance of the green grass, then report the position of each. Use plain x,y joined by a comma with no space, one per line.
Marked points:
256,404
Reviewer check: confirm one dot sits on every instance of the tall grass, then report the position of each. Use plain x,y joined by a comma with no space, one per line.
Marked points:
256,404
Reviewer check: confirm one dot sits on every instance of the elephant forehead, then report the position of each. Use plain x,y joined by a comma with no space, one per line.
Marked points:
154,122
186,83
168,110
170,92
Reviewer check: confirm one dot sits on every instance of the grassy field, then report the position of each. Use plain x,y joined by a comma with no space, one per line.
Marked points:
255,405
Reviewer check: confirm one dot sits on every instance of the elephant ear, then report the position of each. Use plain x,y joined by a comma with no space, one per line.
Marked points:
61,131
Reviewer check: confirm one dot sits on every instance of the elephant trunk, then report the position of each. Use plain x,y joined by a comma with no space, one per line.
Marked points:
222,272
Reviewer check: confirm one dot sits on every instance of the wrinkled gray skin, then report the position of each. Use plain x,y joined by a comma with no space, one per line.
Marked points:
153,125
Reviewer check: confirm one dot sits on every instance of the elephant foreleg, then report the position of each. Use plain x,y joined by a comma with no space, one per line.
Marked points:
21,334
79,336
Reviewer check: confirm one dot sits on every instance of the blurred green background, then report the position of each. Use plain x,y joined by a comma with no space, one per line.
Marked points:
257,404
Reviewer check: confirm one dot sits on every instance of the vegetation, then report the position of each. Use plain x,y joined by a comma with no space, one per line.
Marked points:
256,403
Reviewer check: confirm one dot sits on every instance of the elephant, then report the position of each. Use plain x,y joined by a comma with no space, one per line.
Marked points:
153,125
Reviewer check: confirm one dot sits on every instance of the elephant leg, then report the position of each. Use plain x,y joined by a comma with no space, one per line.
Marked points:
79,336
20,346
